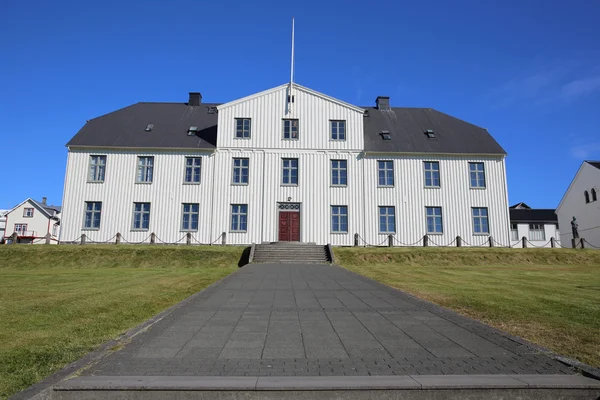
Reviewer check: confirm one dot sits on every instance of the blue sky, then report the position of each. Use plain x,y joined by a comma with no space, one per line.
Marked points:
528,71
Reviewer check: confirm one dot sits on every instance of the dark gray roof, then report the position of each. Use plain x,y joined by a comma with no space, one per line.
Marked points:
594,163
533,215
407,128
126,127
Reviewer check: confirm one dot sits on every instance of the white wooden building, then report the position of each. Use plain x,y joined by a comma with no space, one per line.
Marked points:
285,164
537,225
32,220
581,201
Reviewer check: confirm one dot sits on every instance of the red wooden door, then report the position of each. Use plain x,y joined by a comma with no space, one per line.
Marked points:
289,226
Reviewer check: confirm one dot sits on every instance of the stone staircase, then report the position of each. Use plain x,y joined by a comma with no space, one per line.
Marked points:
291,252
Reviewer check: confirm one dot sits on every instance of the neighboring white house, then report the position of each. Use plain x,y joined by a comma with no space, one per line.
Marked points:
536,225
581,201
32,221
285,164
2,224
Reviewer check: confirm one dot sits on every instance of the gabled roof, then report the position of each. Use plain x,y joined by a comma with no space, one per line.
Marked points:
126,127
533,215
521,205
407,127
46,210
595,164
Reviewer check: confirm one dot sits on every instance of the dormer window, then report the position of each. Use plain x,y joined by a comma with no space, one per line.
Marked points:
385,135
430,134
192,130
149,127
211,109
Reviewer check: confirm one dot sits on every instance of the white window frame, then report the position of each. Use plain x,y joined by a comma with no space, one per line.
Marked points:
54,229
239,214
477,175
435,218
514,232
239,169
337,166
145,169
337,124
187,226
141,213
341,213
537,232
290,168
195,170
26,213
97,168
243,132
96,209
288,128
20,229
480,218
387,173
431,172
387,216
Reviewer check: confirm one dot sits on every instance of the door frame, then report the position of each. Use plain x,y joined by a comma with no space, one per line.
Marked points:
287,206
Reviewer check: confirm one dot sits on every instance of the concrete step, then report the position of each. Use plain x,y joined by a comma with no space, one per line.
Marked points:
287,252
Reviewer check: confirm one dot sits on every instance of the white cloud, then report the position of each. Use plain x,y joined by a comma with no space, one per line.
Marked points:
584,151
580,88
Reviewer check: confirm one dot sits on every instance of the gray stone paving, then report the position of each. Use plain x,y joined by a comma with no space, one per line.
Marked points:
318,320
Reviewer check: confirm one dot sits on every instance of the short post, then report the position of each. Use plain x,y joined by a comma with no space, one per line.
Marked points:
15,238
390,240
224,239
524,241
118,239
356,240
491,241
153,238
48,237
83,237
425,241
582,241
552,244
188,238
573,243
458,241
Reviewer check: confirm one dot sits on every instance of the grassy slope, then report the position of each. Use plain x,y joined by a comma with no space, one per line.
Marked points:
550,297
59,302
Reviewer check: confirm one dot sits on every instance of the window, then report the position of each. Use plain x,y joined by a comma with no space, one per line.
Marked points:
593,191
432,173
339,219
145,169
21,229
290,171
387,220
587,196
240,171
514,232
480,220
536,232
290,129
239,217
28,212
93,212
193,167
242,128
338,129
339,172
189,222
141,216
97,169
430,134
386,173
54,229
477,175
385,135
434,220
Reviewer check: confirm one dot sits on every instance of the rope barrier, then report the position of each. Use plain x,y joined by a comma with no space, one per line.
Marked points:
371,245
591,245
408,244
100,242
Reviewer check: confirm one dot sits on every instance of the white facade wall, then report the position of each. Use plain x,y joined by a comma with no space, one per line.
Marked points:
119,191
550,231
573,205
38,226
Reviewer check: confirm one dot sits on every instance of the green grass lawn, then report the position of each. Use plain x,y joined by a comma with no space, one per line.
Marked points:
59,302
548,296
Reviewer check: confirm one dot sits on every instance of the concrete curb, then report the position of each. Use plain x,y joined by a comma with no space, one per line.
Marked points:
42,390
302,383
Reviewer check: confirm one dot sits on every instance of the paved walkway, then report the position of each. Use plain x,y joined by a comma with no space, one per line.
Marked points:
318,320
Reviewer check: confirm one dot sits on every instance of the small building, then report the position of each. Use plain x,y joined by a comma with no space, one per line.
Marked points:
2,224
537,225
581,201
32,220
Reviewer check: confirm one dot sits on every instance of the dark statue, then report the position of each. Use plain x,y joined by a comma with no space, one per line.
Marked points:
574,228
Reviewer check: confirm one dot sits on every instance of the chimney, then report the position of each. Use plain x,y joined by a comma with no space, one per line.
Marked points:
44,200
195,99
383,102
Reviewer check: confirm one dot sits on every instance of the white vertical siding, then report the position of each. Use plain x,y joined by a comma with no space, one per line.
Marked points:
119,191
